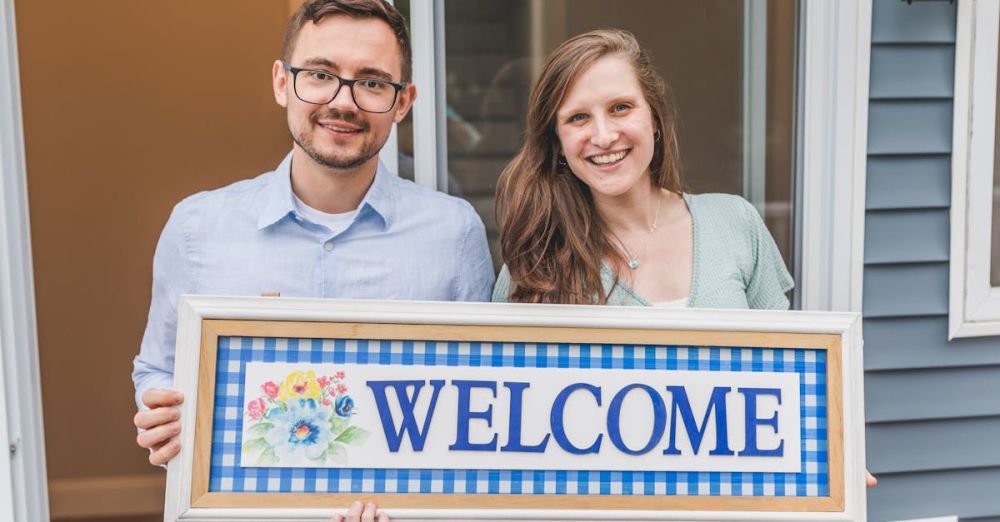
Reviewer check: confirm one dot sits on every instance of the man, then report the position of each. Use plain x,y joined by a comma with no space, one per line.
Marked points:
330,221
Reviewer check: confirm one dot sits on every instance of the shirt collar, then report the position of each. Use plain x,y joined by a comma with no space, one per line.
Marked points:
380,197
280,202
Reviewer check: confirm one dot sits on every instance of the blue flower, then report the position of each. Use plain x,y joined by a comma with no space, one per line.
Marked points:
344,405
301,430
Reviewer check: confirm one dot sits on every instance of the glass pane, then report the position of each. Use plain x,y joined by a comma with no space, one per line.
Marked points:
495,49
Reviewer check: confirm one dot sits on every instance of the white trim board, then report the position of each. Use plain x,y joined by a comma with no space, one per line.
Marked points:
836,53
22,388
974,305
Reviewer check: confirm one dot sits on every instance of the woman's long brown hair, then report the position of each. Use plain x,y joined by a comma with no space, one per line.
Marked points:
551,235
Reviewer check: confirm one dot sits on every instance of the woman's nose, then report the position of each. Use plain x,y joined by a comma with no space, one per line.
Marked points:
605,133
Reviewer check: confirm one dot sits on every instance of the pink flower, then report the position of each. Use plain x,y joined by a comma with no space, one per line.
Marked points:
341,388
323,381
256,409
270,389
326,402
339,375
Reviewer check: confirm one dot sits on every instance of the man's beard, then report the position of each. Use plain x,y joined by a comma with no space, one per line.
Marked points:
368,150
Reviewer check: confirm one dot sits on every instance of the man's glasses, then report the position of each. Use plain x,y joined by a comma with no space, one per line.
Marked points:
320,87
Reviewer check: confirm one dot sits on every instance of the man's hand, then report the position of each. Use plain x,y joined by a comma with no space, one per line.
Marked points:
161,424
362,513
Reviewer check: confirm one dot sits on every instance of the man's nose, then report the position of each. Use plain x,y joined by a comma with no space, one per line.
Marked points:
343,100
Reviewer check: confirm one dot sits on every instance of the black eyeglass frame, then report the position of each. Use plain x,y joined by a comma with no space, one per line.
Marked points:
343,81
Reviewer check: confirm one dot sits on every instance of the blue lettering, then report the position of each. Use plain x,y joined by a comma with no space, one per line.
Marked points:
615,413
465,416
394,437
514,433
750,399
682,406
556,419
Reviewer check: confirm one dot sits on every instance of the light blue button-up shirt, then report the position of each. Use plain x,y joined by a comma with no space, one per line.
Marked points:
406,242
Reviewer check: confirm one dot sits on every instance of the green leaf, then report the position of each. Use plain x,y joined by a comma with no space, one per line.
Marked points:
254,445
353,435
336,454
338,424
268,458
260,429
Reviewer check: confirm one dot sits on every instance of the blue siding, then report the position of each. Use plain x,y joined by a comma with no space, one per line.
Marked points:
907,236
909,182
912,71
909,126
932,407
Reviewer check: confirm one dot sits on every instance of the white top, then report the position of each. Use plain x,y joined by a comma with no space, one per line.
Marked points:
337,223
676,303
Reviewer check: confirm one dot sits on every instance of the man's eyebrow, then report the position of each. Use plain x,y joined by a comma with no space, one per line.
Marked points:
320,62
372,72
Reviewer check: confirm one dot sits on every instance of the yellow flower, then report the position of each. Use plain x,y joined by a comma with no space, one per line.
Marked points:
300,385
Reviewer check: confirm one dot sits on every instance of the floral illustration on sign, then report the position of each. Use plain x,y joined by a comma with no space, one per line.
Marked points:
301,417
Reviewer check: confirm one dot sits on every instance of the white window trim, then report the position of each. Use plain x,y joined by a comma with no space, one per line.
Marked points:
974,305
430,143
22,475
833,116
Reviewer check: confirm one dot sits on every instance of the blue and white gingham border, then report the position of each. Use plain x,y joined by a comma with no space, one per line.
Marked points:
226,475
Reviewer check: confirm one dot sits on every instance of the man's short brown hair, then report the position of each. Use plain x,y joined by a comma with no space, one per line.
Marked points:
315,10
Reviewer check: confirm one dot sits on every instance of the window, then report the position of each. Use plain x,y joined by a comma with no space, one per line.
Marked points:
975,219
799,70
731,67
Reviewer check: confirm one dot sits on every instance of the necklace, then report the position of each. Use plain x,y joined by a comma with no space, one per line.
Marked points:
656,217
634,260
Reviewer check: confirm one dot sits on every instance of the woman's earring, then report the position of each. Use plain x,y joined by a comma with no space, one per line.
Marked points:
656,135
562,162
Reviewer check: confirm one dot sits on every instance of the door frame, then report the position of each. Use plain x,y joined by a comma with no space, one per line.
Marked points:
24,479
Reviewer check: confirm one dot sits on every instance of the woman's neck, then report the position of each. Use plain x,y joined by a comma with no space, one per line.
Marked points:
633,211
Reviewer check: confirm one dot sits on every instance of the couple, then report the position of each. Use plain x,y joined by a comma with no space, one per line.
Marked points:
590,210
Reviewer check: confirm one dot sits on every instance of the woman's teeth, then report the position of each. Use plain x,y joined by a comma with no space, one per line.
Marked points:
604,159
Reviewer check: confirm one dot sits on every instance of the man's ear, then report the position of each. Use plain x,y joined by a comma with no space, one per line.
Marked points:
279,82
406,97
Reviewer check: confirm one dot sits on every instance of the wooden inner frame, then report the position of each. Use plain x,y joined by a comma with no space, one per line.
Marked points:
212,329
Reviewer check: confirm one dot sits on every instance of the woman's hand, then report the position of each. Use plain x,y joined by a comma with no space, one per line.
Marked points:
360,512
870,479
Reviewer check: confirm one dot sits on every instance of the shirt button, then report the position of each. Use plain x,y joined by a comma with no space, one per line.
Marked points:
328,246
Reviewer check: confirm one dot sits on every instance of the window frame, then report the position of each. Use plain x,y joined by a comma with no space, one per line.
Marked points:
974,304
834,56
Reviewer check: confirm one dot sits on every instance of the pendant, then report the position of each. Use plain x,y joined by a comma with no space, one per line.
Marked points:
633,264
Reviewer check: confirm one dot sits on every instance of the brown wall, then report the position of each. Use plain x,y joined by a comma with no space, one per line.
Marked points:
128,107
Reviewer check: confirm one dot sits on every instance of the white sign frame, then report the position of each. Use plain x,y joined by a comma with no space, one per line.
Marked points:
193,310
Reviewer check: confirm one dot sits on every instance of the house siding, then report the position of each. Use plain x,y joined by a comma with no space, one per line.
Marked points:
932,406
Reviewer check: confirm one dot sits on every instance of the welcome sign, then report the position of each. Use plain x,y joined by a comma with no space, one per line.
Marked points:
438,410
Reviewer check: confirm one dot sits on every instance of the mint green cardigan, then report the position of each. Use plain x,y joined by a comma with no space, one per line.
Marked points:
736,263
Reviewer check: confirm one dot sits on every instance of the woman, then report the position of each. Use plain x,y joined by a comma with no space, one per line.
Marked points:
591,210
